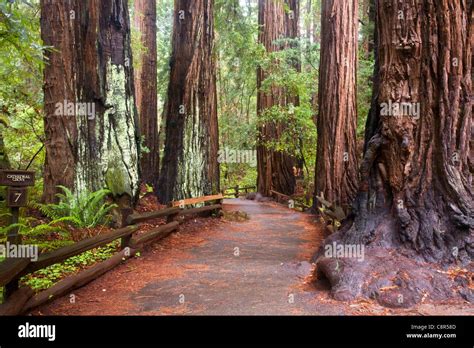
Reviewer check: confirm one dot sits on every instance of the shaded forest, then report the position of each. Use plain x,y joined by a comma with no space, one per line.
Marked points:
357,113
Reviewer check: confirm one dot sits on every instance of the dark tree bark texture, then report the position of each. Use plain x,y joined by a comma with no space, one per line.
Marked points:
90,68
146,90
336,158
190,167
413,210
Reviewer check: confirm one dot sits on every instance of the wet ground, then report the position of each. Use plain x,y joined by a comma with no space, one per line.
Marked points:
259,266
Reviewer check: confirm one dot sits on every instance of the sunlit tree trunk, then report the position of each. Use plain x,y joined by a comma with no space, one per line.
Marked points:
89,70
146,89
190,164
336,159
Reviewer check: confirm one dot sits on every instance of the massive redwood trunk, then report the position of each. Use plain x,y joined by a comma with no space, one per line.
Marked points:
90,118
336,158
413,210
146,89
275,168
190,166
57,30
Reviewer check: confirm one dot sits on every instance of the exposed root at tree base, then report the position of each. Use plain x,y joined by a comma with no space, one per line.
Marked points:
394,280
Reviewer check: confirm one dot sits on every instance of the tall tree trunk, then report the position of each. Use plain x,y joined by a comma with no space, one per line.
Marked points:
275,168
413,210
146,90
91,67
336,159
190,166
57,30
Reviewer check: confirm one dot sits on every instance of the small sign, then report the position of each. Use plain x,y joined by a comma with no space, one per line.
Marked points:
17,197
17,178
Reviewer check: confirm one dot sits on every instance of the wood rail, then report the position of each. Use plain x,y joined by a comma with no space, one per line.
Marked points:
155,234
213,207
76,281
64,253
197,200
138,218
237,190
282,197
12,269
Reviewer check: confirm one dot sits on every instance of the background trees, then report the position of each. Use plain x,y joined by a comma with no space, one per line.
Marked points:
275,168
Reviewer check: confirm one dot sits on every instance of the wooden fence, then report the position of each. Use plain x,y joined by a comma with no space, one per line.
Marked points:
238,191
20,300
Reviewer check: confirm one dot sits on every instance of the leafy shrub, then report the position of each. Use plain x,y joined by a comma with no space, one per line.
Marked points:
85,210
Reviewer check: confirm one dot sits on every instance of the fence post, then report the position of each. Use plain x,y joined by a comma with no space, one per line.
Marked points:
125,241
237,191
13,238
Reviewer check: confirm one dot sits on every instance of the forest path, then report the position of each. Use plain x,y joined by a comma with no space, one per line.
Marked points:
256,267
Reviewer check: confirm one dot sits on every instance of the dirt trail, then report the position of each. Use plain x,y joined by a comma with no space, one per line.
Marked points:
213,267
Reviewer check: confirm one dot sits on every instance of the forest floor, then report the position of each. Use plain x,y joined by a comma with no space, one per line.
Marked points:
255,266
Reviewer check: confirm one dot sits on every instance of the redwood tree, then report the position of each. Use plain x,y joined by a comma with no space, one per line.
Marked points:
336,158
190,166
90,67
146,89
413,209
274,168
57,31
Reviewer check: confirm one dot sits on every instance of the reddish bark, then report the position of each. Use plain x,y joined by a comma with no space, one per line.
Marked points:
190,167
415,199
336,159
146,90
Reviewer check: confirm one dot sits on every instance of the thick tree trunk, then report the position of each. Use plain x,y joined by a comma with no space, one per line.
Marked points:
275,168
57,30
90,71
414,204
336,159
190,166
146,89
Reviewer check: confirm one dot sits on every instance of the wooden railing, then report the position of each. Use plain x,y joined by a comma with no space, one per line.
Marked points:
286,199
11,270
238,191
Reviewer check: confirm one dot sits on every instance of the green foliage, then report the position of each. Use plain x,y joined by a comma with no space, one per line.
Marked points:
37,232
85,210
237,51
21,94
293,70
46,277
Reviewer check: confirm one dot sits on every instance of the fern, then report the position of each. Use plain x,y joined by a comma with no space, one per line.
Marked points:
85,210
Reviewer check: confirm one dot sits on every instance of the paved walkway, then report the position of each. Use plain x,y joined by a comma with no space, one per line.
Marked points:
254,267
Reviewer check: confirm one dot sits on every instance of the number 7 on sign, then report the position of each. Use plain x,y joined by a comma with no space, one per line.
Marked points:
18,196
